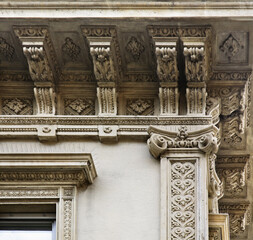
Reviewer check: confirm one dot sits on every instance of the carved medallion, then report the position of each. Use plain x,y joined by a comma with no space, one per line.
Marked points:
70,49
135,48
140,106
79,106
17,106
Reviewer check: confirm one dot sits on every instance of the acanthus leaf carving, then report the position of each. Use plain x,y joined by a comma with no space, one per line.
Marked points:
195,69
167,63
103,64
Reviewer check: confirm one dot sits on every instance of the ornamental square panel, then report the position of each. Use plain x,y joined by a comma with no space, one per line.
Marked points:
17,106
232,48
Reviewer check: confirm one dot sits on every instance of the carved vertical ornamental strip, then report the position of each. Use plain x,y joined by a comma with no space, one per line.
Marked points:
168,100
107,100
182,203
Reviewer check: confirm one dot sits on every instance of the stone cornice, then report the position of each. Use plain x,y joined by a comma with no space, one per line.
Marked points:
47,168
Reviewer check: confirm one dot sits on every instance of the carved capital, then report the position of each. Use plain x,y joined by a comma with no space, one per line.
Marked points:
161,141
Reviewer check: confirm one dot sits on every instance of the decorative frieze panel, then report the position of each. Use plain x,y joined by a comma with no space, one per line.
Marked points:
234,171
17,106
239,216
140,106
79,106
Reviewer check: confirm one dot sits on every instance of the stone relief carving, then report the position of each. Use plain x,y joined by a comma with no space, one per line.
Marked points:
239,216
232,48
167,64
77,78
140,77
233,76
182,200
79,106
31,193
107,100
140,106
17,106
135,48
234,171
215,233
45,100
71,49
17,77
67,221
6,50
168,31
103,64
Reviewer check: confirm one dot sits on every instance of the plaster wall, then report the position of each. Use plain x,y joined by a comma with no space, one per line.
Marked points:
123,202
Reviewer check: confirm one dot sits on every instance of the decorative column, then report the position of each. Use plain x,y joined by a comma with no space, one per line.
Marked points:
167,72
187,177
41,60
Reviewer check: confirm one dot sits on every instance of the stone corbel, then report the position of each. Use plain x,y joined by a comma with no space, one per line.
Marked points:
105,74
239,216
196,75
41,60
234,172
168,74
186,157
218,227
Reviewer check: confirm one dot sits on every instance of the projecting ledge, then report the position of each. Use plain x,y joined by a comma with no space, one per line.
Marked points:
47,168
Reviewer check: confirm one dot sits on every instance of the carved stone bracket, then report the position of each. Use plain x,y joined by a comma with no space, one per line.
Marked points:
185,156
234,171
43,67
218,227
233,106
239,216
168,74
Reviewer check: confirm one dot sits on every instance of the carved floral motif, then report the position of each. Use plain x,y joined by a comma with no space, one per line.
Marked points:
140,106
71,49
135,48
79,106
231,46
17,106
183,212
67,220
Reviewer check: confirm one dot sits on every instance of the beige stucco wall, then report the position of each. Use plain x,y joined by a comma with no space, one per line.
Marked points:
123,202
